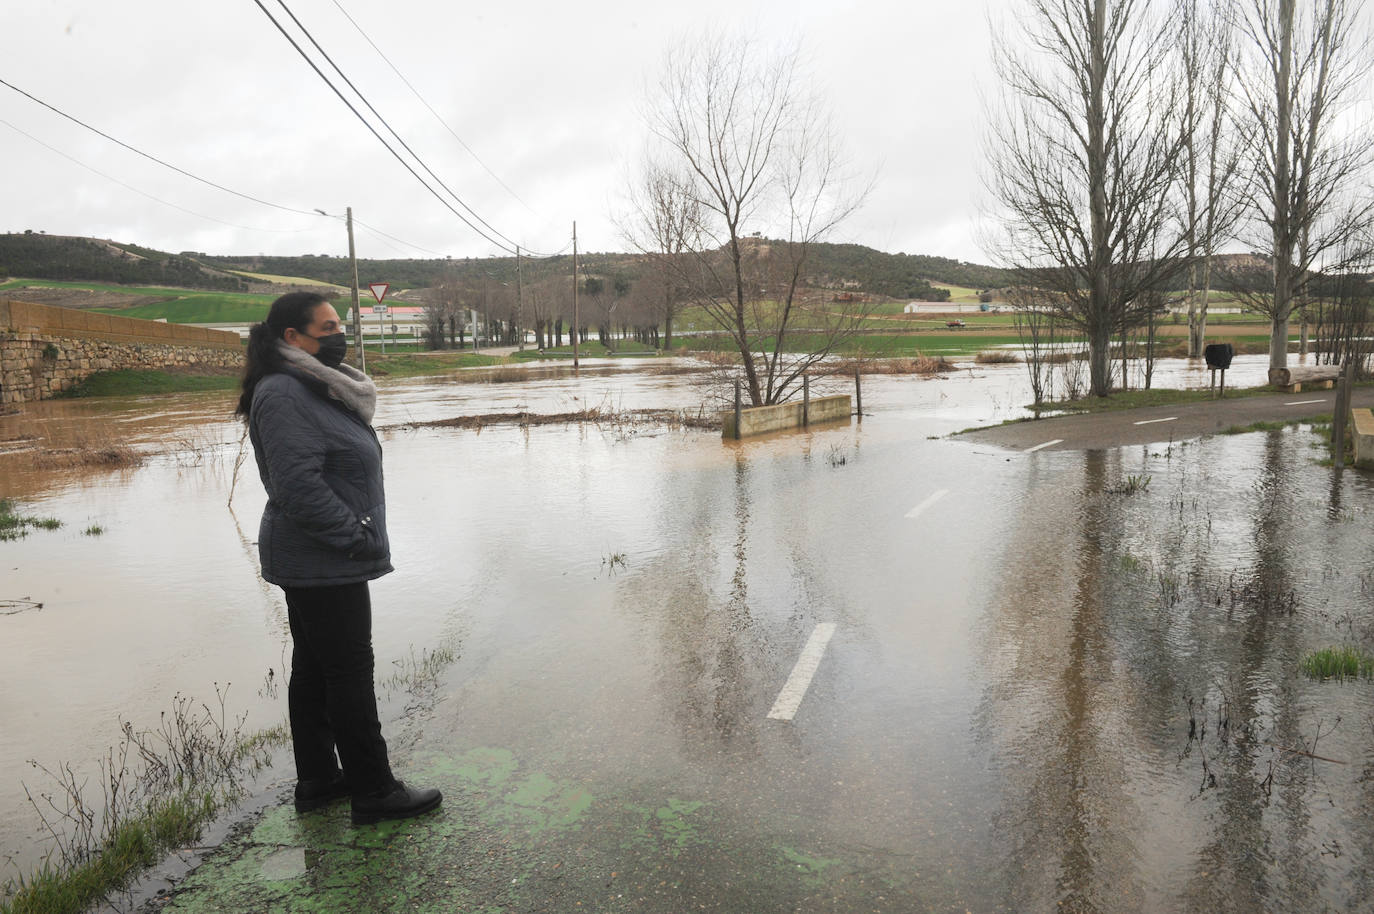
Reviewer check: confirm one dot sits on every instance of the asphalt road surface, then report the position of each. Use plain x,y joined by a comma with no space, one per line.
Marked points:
1160,423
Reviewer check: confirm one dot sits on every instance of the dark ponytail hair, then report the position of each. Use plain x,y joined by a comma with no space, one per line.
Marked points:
294,309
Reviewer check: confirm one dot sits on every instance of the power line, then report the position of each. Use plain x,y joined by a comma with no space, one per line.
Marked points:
494,176
142,192
371,129
153,158
378,115
410,244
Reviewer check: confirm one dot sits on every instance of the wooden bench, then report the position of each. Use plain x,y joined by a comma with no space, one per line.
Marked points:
1362,431
1292,380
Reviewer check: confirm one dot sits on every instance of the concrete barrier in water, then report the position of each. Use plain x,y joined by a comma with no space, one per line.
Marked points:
1362,430
760,420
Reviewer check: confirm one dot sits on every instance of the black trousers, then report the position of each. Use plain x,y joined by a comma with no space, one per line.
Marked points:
331,698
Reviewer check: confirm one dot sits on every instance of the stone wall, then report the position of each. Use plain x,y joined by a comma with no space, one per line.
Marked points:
46,350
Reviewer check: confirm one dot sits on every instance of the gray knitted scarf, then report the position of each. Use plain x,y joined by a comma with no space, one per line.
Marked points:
346,384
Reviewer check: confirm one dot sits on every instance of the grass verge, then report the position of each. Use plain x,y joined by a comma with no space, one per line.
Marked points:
588,350
137,383
412,364
158,789
1140,399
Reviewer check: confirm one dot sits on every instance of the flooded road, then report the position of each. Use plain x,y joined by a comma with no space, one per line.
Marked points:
1022,645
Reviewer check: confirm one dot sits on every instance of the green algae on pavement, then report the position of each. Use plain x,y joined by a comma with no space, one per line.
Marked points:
514,839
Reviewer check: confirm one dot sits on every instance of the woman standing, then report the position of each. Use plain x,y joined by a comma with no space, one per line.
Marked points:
323,537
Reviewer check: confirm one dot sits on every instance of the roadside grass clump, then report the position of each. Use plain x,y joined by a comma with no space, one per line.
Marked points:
131,848
1341,662
996,357
1130,485
415,673
14,525
93,530
156,790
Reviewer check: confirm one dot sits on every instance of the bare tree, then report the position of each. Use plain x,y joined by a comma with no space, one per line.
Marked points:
443,311
1211,146
1309,156
664,225
757,160
1085,162
1343,306
1036,328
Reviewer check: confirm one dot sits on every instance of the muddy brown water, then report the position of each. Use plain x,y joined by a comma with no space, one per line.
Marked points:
1001,721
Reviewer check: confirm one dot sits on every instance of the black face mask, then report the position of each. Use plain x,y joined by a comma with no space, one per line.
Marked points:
332,348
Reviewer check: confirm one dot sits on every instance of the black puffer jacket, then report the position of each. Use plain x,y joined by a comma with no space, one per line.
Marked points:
325,521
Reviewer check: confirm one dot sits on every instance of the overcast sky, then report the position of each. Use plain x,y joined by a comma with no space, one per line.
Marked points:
548,96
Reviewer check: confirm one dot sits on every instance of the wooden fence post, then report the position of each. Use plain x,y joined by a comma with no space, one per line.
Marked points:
858,395
806,400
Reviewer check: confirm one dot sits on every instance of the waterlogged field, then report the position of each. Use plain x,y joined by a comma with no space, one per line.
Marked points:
1054,678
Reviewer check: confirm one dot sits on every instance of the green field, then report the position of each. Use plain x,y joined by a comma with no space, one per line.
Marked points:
177,306
959,294
200,308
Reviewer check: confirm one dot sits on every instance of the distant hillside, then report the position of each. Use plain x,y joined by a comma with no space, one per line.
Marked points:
849,267
62,257
841,267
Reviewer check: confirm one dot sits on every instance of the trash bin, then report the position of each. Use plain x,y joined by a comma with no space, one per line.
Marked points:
1219,355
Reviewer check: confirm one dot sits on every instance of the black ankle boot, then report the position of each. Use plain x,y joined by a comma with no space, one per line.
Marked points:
401,802
313,793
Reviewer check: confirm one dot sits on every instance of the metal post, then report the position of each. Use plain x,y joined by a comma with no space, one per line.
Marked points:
806,400
739,410
858,395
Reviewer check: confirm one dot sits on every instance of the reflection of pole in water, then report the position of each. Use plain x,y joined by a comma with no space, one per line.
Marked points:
1057,705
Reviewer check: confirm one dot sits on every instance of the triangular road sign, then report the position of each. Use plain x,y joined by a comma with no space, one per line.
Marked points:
379,290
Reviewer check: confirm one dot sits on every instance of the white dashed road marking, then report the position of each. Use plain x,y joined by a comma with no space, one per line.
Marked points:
932,499
1031,450
1153,421
1305,402
790,698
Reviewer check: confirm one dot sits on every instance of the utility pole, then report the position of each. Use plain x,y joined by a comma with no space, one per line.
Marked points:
575,311
357,315
519,302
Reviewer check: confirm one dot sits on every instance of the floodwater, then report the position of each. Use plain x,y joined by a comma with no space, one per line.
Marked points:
1001,721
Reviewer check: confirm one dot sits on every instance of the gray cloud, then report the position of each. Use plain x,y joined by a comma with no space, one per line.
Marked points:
550,96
